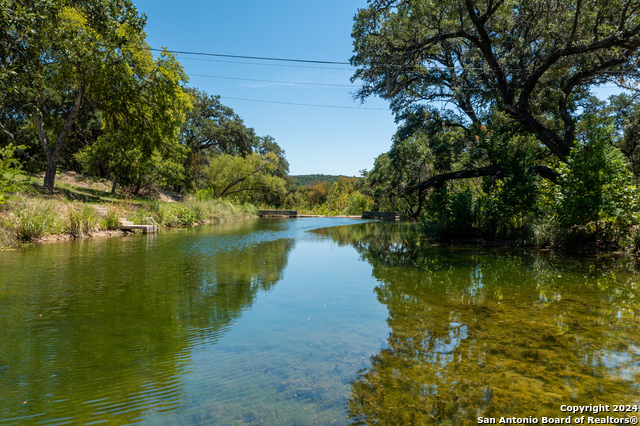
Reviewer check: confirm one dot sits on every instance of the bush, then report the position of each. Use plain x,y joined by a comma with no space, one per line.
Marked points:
205,194
174,215
598,198
9,168
358,203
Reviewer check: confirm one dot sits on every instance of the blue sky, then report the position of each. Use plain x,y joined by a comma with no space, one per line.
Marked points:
316,139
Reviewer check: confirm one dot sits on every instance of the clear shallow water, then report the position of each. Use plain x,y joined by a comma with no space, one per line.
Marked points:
305,322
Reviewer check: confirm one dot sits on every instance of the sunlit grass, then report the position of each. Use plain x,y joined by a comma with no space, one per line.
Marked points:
81,206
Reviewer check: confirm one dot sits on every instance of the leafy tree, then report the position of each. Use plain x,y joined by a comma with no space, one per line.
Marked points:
531,62
82,57
357,204
243,177
268,144
318,193
139,145
19,38
338,198
597,182
210,125
624,110
385,193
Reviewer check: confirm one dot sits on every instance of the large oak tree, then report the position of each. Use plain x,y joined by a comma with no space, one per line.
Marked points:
532,61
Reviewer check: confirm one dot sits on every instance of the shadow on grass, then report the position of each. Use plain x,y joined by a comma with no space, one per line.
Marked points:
79,192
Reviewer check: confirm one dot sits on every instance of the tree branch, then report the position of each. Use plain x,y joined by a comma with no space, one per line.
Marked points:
436,182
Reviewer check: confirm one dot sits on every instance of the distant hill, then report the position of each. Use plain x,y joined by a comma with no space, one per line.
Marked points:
310,180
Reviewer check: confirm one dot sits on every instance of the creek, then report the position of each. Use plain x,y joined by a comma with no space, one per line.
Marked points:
310,321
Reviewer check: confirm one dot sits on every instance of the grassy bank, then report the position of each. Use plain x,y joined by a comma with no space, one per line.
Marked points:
83,207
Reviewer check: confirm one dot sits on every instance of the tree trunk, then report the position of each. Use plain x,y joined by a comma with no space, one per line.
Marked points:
115,184
50,175
53,155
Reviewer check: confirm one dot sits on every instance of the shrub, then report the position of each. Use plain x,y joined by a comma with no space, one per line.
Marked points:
174,215
9,168
598,198
358,203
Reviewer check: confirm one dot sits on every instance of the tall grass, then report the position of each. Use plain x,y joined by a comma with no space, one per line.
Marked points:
24,218
216,210
81,220
31,220
111,221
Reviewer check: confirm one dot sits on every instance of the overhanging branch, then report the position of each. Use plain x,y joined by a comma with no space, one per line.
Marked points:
438,181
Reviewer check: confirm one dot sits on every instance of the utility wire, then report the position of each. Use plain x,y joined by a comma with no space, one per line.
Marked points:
265,64
306,105
254,57
309,61
276,81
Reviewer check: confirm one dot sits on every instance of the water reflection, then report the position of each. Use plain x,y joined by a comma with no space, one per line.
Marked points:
263,323
105,330
493,333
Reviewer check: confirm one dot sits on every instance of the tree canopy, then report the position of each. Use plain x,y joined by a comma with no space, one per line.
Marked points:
535,61
491,96
88,54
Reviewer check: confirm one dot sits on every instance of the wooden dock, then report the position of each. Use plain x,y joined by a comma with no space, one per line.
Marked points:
381,215
365,215
127,225
278,213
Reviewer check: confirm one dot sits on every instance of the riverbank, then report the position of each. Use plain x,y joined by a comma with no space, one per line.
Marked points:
81,207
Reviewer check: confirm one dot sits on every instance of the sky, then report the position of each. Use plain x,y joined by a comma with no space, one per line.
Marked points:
341,138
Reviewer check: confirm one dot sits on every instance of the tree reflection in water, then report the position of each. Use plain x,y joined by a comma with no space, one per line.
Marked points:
492,333
105,333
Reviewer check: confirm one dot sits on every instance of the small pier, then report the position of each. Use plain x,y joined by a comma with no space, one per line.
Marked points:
278,213
365,215
151,227
381,215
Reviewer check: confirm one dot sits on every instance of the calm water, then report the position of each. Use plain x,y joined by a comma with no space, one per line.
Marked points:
309,321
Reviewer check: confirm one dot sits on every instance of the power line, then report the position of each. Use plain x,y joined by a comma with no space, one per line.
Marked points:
311,61
306,105
276,81
265,64
261,58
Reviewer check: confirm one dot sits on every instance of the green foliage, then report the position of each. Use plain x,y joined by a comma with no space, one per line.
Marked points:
451,215
598,198
9,169
88,55
205,194
294,200
81,220
357,204
32,221
311,180
534,60
139,146
216,210
597,181
210,125
509,122
176,215
111,220
243,177
339,196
